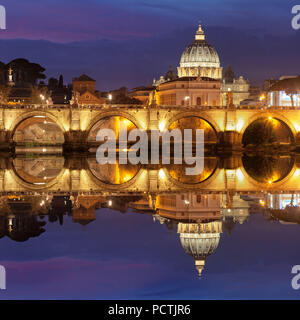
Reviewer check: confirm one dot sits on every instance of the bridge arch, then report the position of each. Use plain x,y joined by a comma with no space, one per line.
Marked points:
206,177
31,115
114,113
280,181
269,115
273,125
204,116
21,182
134,180
91,132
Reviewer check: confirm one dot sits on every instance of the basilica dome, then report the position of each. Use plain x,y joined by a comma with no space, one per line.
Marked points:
200,59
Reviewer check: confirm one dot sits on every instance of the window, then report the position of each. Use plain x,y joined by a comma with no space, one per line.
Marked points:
198,198
198,101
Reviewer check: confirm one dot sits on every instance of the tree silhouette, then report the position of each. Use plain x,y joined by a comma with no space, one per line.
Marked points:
52,83
229,75
61,82
25,71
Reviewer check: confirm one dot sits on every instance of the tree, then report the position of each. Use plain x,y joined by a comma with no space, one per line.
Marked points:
25,71
61,82
229,75
290,86
3,74
123,99
52,83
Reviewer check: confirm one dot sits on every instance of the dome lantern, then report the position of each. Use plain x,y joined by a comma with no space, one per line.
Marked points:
200,33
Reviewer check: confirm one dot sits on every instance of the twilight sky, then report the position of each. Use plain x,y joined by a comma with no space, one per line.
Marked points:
128,42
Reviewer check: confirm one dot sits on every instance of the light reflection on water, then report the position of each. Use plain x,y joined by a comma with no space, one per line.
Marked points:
189,244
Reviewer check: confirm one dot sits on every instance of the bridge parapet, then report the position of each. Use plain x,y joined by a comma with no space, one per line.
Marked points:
76,122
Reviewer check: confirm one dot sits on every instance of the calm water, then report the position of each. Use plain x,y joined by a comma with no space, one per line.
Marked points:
130,257
151,246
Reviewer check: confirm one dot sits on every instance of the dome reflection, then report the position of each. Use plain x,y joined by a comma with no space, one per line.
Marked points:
114,174
200,240
38,171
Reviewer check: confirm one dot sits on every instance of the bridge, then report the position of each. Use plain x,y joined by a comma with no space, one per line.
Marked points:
77,124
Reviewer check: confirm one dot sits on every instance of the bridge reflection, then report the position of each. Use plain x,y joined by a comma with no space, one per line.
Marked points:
55,174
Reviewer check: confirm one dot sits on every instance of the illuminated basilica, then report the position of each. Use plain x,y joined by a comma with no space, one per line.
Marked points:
200,59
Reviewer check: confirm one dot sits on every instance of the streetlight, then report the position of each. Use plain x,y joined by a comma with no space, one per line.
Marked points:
110,97
262,97
187,98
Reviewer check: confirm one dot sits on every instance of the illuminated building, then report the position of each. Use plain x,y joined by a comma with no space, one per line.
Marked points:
170,75
84,92
200,59
199,222
189,91
239,88
142,94
189,206
199,74
282,98
84,209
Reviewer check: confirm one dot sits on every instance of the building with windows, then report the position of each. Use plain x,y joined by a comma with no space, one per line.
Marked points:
285,92
238,87
84,92
189,91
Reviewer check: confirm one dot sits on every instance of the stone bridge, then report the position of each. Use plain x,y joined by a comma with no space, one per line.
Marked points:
77,123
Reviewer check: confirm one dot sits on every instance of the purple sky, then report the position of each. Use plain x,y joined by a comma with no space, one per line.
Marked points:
128,42
76,20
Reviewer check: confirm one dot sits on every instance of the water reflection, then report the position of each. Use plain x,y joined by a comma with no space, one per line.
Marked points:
113,173
178,172
268,169
39,170
200,217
